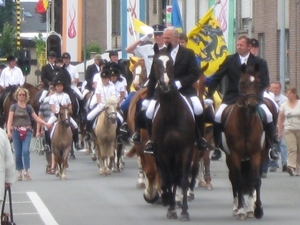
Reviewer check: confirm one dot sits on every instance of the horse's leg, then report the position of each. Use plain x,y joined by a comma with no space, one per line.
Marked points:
256,165
194,173
65,163
141,175
119,157
233,181
207,176
72,154
201,182
171,213
184,188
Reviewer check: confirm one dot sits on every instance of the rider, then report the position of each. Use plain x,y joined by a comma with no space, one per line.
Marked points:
74,80
231,68
2,66
61,98
103,90
186,72
48,74
11,78
91,70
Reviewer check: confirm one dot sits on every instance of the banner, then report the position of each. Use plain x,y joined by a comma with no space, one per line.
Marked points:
208,43
176,19
72,28
140,27
41,6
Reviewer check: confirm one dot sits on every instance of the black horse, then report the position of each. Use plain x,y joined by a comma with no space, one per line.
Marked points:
173,135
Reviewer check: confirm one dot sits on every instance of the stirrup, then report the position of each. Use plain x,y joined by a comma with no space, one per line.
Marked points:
149,147
136,138
202,144
273,155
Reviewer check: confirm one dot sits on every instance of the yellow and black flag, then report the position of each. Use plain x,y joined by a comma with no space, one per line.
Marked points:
208,43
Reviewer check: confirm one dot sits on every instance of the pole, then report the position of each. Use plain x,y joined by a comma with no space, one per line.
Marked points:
52,15
282,45
84,36
18,25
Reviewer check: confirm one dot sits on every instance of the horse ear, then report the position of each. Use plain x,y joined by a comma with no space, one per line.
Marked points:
256,67
156,48
243,68
169,47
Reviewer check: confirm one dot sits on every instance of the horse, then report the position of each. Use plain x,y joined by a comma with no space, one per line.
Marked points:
105,135
173,135
147,166
243,141
61,147
139,73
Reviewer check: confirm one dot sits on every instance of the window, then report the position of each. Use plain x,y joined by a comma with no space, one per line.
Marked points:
116,17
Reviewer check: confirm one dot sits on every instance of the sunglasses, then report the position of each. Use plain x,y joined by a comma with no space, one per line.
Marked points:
21,94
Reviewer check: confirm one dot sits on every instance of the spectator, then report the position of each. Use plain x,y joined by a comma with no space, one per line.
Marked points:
289,120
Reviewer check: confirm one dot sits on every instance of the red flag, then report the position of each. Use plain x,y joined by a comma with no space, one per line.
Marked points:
41,6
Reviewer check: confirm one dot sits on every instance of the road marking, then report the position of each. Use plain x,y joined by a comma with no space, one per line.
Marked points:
42,209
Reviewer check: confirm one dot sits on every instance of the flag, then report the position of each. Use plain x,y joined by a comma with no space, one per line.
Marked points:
208,42
176,20
41,6
140,27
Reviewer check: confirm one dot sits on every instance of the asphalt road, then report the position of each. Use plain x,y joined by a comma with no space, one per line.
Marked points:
88,198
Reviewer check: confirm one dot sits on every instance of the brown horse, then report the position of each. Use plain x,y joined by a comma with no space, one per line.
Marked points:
244,145
61,147
105,132
147,166
139,73
173,135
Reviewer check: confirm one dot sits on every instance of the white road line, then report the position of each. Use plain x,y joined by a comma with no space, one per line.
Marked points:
42,209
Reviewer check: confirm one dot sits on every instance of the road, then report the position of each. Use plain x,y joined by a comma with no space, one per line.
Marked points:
88,198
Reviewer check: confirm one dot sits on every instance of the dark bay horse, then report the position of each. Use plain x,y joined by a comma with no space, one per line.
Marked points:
244,145
61,141
173,135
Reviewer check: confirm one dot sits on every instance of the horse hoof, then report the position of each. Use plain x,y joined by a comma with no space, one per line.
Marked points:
201,184
108,172
141,185
153,200
241,216
250,214
57,174
191,197
63,178
258,213
72,156
235,212
209,187
172,214
94,158
184,217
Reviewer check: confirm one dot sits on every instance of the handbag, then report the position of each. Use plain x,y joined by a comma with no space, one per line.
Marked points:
7,218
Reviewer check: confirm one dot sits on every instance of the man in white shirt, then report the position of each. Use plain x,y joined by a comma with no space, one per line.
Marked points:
11,78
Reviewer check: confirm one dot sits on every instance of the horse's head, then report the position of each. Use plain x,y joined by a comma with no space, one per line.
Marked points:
139,73
163,68
64,115
111,108
249,87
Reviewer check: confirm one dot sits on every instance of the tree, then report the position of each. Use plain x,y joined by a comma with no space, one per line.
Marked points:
93,46
7,41
6,14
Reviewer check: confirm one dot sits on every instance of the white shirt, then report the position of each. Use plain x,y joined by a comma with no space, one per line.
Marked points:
56,99
280,99
174,53
119,87
105,91
145,52
12,76
244,59
73,72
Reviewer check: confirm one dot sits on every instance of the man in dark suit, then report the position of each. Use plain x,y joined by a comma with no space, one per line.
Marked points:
231,68
186,72
91,70
48,74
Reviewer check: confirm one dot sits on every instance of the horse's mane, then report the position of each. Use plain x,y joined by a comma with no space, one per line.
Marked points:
112,100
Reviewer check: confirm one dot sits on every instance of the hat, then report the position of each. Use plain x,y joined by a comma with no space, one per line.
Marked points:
58,81
52,54
105,74
115,72
158,29
66,55
10,58
254,43
113,52
114,65
102,62
98,56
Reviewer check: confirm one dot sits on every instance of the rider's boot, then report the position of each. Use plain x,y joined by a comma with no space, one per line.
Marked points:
217,133
82,110
270,140
47,148
201,142
76,138
124,131
149,146
88,129
139,119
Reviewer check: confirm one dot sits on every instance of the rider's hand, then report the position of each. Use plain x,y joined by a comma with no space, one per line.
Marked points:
146,37
38,134
208,101
178,84
9,135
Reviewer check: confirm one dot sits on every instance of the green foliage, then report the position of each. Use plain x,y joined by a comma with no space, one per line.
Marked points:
8,40
93,46
6,14
40,45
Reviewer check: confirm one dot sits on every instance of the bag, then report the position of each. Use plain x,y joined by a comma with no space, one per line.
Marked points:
22,132
7,218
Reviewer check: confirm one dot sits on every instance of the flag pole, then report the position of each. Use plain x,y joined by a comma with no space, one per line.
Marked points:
217,2
131,22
